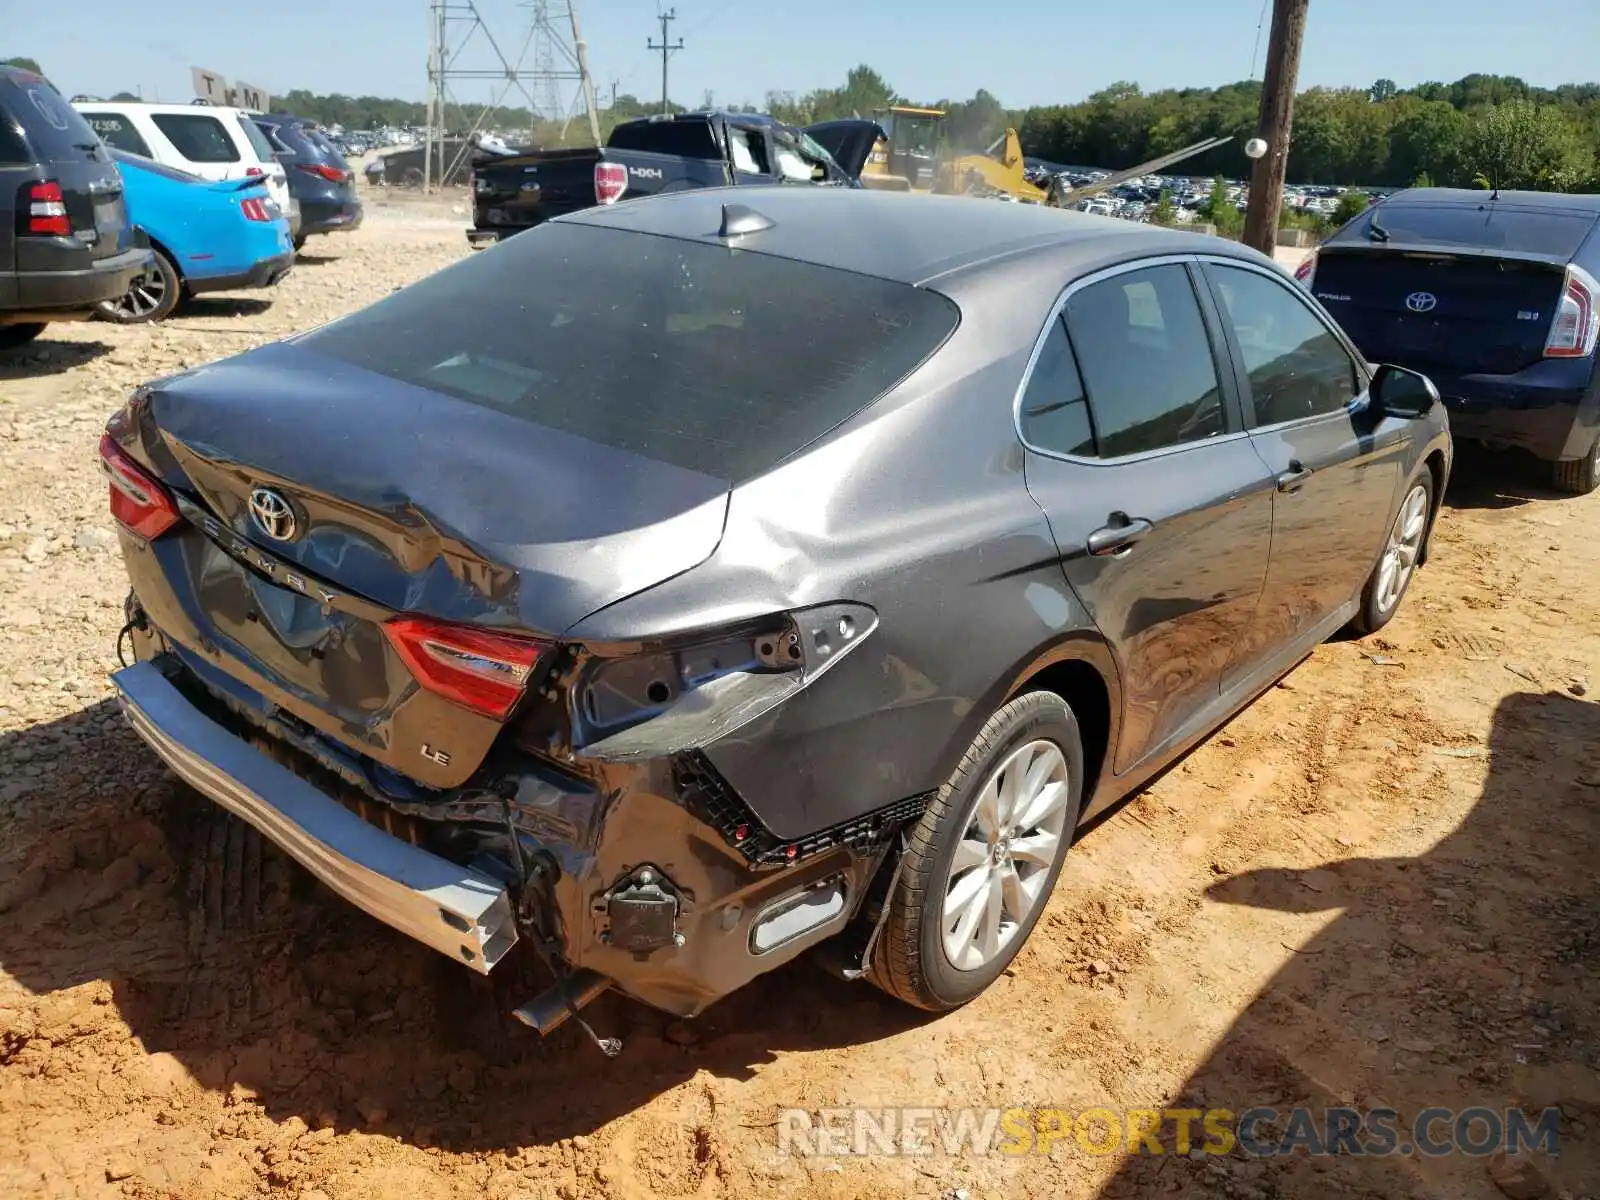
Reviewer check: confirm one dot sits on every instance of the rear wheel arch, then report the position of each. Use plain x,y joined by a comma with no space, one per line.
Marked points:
1082,671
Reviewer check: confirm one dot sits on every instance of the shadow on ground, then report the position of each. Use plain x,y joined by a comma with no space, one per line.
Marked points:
225,954
47,355
1466,977
1481,478
221,307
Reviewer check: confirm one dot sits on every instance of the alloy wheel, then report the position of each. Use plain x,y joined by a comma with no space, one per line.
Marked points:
1014,833
144,296
1404,547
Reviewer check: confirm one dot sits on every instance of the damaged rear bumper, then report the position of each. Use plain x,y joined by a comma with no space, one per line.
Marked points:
460,912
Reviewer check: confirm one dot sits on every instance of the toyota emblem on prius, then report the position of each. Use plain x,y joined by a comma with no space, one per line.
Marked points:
273,514
1421,302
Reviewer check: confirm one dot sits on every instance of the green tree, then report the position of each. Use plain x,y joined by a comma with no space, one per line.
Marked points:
1423,180
1350,205
1221,211
1164,212
1382,91
26,64
1521,144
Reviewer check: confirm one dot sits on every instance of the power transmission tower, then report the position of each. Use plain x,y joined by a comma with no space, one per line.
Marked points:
1276,122
666,49
456,27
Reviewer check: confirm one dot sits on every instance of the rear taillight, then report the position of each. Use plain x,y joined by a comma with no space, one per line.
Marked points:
137,500
255,209
1576,327
610,182
323,171
476,668
254,172
43,210
1306,270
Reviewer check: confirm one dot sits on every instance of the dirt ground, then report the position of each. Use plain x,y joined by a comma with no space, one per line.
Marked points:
1376,887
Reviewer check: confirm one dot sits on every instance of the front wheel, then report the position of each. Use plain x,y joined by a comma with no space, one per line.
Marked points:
983,858
151,297
1581,476
1390,579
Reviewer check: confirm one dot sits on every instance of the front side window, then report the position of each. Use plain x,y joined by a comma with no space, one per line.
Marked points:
117,131
1296,365
1146,361
197,137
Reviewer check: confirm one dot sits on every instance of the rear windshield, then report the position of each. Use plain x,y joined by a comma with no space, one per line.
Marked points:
155,168
687,139
716,360
54,129
1487,227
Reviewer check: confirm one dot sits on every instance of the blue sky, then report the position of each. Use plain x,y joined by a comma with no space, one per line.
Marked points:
1039,51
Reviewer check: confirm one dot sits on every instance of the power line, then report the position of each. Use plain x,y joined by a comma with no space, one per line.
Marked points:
666,49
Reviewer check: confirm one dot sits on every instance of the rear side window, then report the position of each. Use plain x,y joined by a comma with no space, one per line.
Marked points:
1146,361
140,163
1055,412
50,126
257,139
1488,226
117,131
198,137
12,148
714,360
688,139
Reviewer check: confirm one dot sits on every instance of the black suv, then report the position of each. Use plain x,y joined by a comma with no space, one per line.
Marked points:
65,240
319,177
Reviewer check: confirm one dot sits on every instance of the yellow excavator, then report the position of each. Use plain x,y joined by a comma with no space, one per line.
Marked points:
910,158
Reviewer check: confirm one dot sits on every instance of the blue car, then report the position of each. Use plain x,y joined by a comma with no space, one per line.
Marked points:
207,237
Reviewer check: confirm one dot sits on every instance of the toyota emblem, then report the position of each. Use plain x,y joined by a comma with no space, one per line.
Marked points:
273,515
1421,302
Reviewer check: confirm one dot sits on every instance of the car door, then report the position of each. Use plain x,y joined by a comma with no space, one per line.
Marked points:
1336,467
1161,509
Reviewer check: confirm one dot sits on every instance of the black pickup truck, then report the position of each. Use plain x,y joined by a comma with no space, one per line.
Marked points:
651,155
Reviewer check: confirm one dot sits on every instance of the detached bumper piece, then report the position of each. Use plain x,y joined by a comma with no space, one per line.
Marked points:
459,912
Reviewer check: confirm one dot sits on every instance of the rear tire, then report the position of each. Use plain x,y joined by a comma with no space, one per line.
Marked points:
299,242
13,337
1397,565
1579,477
913,959
151,298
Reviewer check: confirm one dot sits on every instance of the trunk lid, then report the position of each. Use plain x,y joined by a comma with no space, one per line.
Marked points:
1453,313
404,501
849,141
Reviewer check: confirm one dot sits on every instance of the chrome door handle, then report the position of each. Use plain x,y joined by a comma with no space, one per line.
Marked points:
1117,540
1292,479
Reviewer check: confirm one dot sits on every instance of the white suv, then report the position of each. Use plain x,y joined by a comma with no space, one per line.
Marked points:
203,139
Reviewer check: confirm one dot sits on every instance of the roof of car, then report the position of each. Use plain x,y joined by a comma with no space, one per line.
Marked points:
151,106
893,235
1478,198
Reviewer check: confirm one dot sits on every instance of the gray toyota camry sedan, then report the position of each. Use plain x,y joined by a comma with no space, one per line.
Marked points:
685,583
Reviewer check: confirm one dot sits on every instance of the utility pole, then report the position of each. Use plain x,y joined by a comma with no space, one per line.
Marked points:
666,49
1275,123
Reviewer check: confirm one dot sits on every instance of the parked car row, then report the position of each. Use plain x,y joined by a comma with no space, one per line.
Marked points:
122,209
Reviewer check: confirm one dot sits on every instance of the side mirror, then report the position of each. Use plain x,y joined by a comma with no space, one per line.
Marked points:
1399,392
